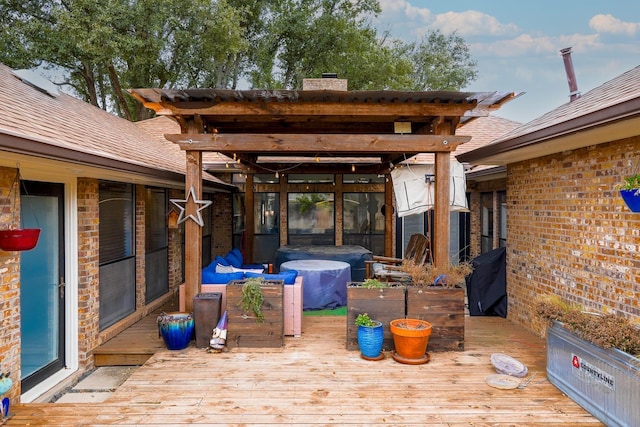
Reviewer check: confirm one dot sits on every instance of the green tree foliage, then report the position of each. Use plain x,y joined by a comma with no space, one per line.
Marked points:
101,47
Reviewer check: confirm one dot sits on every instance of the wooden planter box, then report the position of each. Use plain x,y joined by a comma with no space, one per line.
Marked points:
243,330
381,304
604,382
444,309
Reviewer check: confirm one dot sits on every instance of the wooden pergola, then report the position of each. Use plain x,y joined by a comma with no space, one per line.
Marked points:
306,130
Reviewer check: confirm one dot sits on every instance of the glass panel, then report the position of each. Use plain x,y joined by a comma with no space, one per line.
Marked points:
311,218
265,211
116,221
265,178
502,200
155,219
363,219
117,291
38,286
355,178
310,178
486,218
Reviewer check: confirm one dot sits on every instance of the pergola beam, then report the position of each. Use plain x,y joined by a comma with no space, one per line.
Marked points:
310,144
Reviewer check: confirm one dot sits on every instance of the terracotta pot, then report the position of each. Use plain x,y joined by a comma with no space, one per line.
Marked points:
410,338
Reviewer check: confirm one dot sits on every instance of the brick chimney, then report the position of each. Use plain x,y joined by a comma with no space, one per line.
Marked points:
329,81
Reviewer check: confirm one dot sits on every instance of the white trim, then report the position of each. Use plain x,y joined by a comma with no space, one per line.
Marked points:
71,361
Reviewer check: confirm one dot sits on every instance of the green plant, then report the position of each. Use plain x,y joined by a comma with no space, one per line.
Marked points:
374,284
364,320
307,203
252,297
631,182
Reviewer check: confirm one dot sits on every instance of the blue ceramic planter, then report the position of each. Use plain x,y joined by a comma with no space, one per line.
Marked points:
632,199
370,340
5,385
176,329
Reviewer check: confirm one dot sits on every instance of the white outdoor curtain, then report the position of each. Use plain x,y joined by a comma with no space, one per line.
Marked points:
414,188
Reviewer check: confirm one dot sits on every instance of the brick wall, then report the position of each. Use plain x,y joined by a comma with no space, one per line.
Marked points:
141,278
176,237
9,290
88,270
221,224
569,233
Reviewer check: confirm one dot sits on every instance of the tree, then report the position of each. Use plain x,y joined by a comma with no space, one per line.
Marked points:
99,48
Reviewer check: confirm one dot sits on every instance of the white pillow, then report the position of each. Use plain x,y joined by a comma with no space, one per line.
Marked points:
224,268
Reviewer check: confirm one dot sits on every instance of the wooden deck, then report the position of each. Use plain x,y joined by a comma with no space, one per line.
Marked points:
314,380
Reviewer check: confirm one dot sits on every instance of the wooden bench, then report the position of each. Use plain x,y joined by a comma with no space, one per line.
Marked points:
386,268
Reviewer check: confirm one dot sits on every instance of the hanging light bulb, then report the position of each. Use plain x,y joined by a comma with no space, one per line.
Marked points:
277,174
226,165
353,168
234,156
317,159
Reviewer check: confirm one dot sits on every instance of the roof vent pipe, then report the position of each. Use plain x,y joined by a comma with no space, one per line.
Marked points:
571,75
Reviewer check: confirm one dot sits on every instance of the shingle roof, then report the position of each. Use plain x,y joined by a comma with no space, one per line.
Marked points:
64,122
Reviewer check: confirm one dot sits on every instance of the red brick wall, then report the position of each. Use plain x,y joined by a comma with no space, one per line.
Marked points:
88,270
221,224
9,289
176,237
569,233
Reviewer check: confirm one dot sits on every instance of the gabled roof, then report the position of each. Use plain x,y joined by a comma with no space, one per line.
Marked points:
606,113
38,123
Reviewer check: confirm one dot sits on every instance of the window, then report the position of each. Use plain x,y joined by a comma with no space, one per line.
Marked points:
311,218
363,221
486,217
156,244
117,252
266,210
502,202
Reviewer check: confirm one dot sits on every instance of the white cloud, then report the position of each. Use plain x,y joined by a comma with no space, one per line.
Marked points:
612,25
526,45
472,22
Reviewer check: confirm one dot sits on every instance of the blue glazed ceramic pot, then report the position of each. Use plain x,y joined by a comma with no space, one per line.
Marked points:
176,329
5,385
370,340
631,199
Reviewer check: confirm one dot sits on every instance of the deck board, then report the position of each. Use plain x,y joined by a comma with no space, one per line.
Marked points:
314,380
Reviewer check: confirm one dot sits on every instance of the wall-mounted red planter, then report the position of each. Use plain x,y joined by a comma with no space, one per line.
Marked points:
19,240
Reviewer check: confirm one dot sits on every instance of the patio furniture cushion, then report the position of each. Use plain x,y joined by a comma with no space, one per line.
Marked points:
289,277
233,259
220,260
210,276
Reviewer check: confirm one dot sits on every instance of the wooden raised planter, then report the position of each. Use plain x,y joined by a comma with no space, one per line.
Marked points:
443,307
383,304
243,330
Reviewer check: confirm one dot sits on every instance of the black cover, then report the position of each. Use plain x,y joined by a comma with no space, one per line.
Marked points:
487,285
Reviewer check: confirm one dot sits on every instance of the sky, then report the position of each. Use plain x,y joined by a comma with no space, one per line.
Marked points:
517,43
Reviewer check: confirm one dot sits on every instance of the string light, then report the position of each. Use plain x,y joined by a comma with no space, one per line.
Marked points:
317,159
353,168
226,165
277,174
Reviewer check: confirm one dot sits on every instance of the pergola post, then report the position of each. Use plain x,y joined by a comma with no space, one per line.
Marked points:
193,230
442,219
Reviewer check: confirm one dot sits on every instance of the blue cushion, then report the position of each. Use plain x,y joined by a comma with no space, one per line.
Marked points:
220,260
289,277
210,276
238,254
233,259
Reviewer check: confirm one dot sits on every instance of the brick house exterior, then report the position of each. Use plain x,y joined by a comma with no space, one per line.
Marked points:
80,146
568,231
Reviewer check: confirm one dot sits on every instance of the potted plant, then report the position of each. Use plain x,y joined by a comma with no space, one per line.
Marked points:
17,239
593,358
370,337
255,313
384,301
411,338
630,192
176,329
437,295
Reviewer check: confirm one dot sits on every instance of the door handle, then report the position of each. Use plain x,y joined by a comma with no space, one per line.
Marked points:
61,286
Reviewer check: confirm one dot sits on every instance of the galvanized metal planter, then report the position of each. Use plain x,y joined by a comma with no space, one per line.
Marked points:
604,382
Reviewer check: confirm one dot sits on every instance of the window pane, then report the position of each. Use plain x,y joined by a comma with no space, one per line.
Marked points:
317,178
311,218
116,221
265,211
155,219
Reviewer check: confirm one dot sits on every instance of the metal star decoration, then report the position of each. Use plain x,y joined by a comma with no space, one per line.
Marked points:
197,218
